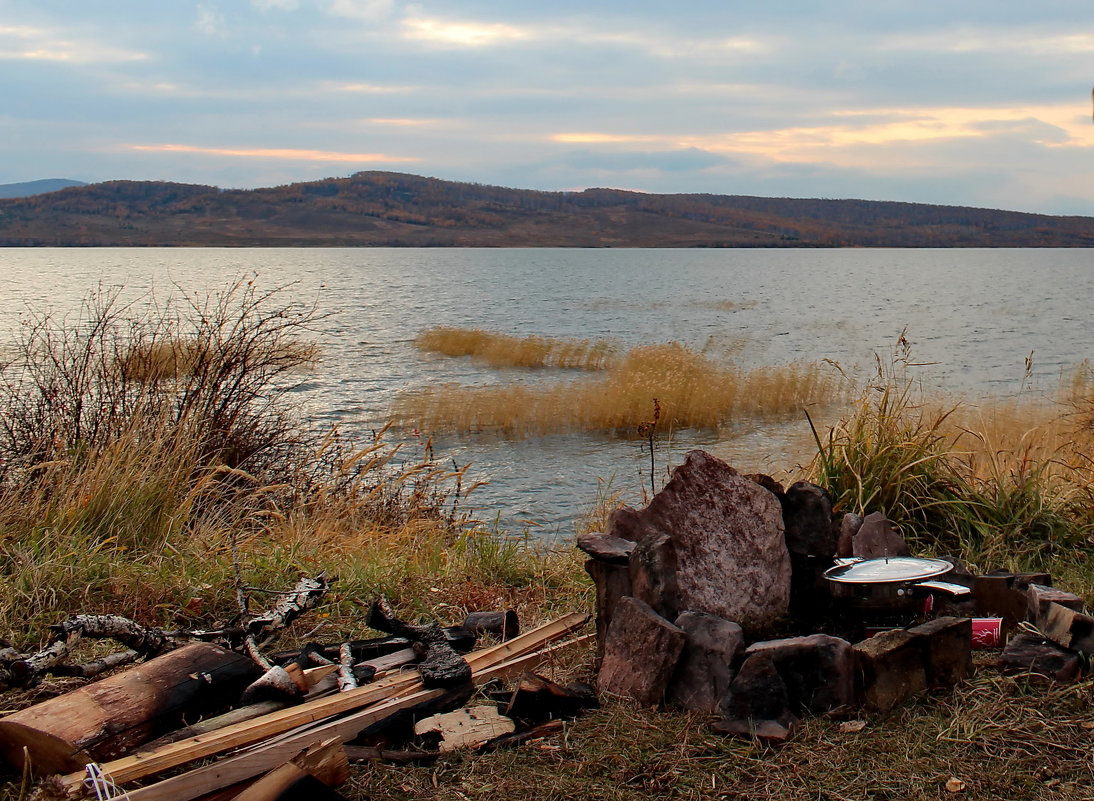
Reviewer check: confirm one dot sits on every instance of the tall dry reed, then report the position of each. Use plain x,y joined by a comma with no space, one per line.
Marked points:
693,390
501,350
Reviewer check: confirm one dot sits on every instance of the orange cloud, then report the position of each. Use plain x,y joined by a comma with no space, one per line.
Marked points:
289,154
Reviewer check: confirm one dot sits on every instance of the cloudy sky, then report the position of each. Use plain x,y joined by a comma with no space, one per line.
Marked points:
972,102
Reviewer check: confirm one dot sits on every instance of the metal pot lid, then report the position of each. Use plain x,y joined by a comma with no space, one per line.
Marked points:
888,570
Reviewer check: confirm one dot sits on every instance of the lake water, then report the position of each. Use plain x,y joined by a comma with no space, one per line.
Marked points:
975,314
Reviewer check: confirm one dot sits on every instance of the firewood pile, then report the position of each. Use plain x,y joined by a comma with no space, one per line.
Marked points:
212,713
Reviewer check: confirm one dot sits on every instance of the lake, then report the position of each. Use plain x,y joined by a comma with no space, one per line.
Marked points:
972,317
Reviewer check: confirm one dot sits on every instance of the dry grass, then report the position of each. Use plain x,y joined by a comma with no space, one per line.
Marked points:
501,350
1005,738
693,390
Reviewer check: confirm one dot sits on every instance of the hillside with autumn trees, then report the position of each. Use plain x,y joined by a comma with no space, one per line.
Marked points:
394,209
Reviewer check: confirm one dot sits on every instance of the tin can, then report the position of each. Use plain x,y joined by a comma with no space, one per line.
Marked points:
987,632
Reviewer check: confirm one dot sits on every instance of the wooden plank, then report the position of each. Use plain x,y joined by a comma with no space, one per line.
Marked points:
147,763
268,756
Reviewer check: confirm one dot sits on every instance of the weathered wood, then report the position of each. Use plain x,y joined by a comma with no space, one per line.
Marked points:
105,719
326,761
537,699
367,753
346,678
148,763
442,666
502,624
277,683
302,597
264,757
466,728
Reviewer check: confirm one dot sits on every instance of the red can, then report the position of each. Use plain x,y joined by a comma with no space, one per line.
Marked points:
987,632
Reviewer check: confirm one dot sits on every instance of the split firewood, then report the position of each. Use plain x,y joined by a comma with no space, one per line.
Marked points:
367,753
277,683
365,706
442,666
310,775
466,728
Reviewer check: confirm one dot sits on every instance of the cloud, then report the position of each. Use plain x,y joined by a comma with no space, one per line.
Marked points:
37,44
289,154
683,160
280,5
210,21
462,34
367,10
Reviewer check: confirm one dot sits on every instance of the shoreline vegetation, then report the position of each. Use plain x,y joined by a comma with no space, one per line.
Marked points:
149,450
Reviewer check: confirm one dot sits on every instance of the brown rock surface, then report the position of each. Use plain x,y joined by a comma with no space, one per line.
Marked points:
890,668
710,541
876,539
817,670
705,668
640,653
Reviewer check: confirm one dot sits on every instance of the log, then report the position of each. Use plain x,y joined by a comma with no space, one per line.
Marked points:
148,763
504,624
104,720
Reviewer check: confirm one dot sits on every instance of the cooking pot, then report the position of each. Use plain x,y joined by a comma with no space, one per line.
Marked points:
891,579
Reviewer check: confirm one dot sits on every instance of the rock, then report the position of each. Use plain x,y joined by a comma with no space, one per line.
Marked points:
849,527
640,653
705,668
1068,628
1038,656
757,703
876,539
605,547
890,668
807,516
1003,594
612,583
1038,598
710,541
817,670
947,649
768,483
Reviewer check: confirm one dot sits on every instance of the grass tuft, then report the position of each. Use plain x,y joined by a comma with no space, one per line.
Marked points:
501,350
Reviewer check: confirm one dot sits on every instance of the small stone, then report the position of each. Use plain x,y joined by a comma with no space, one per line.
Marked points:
817,670
849,527
1039,597
954,785
890,668
640,653
1028,653
704,671
756,704
605,547
876,539
947,649
807,515
852,726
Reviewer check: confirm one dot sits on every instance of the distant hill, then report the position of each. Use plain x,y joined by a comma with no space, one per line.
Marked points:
28,188
393,209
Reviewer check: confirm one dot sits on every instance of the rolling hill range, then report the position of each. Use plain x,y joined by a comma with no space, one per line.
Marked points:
394,209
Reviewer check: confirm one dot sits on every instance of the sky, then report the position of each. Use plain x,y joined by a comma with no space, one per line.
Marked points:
967,102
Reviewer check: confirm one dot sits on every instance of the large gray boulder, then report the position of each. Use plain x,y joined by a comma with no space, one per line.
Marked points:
711,541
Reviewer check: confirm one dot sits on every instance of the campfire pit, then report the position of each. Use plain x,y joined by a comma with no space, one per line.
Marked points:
696,606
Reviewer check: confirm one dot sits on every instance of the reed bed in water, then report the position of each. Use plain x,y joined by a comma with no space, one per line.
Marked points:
502,350
692,390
